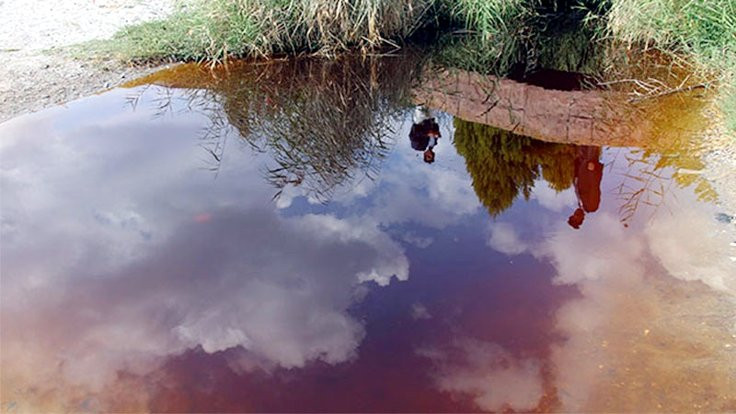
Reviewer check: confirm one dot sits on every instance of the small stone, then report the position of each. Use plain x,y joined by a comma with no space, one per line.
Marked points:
724,218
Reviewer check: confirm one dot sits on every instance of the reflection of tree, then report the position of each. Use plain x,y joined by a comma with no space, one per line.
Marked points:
503,164
322,122
680,132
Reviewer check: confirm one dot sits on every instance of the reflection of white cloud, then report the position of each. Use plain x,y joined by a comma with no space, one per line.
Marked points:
291,192
418,241
164,256
451,191
419,311
287,196
552,200
490,375
693,246
391,263
625,276
410,190
354,190
425,195
603,259
279,288
602,248
503,238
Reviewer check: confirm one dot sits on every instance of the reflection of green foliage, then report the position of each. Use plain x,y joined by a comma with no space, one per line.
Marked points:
322,121
503,164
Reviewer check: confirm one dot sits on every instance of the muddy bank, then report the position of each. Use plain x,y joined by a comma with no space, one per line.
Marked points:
35,81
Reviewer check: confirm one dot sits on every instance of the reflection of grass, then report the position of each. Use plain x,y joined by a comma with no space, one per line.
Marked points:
323,122
681,133
680,128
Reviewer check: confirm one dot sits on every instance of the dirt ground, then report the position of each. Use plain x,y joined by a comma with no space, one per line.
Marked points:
38,71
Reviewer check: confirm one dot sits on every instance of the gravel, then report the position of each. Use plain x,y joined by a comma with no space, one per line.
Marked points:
37,72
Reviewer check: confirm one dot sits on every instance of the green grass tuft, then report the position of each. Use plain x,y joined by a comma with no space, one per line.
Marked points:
703,32
528,34
217,29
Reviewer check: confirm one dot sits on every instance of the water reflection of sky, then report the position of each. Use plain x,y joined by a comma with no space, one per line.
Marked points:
133,277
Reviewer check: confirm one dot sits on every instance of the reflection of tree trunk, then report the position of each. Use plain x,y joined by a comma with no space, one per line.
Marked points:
576,117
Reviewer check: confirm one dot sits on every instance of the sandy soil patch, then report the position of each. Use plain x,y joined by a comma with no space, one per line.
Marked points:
38,72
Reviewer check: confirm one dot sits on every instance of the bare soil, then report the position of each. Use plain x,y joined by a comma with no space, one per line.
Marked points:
39,71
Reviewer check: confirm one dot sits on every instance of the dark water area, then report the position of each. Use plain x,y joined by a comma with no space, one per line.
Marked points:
270,238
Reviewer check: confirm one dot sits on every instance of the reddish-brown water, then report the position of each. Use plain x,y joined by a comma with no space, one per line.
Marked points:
280,246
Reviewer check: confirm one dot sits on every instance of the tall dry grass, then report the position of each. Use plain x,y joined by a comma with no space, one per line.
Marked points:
218,29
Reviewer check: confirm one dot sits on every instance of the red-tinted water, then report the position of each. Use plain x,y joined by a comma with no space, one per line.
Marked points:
307,259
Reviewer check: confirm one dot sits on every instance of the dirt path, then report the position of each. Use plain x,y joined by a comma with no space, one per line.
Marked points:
37,72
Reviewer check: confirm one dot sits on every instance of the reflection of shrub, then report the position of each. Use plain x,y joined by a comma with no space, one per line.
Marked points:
322,121
503,164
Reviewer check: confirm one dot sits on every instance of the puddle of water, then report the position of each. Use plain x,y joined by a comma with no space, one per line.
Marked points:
269,238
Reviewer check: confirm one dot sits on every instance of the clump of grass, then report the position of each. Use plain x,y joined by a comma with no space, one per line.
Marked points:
217,29
501,35
700,32
703,29
491,38
201,29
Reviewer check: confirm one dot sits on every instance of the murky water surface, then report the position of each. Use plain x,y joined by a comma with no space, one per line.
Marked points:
270,238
